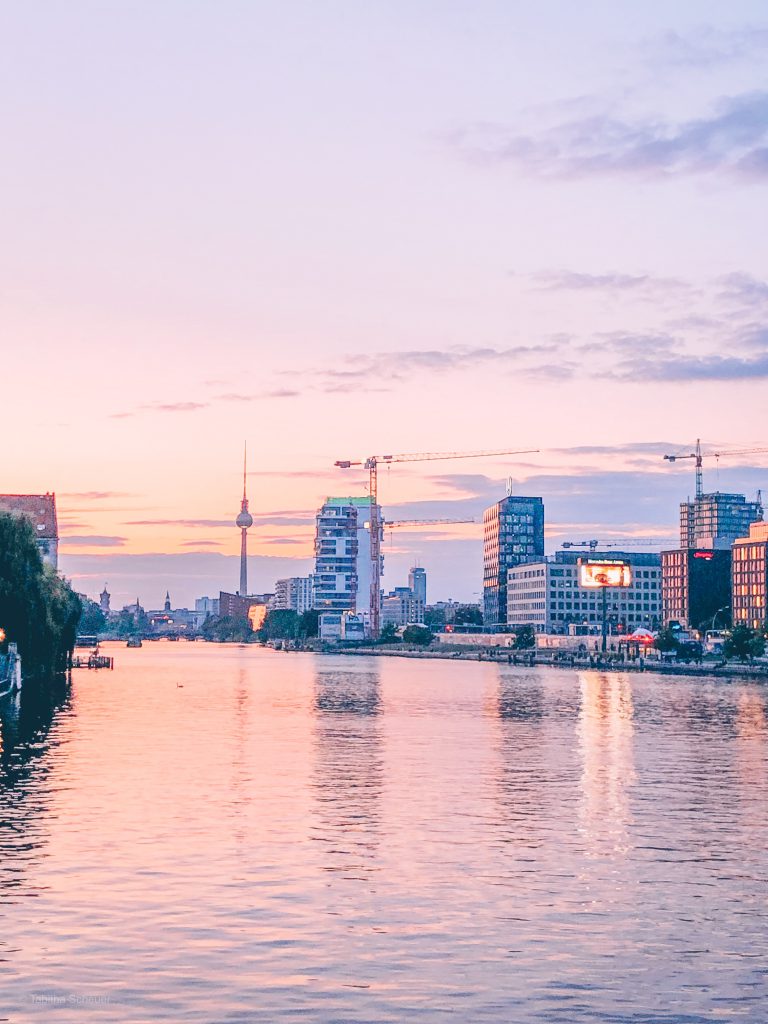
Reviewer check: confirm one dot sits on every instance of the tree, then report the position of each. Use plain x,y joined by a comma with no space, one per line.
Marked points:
417,635
309,624
468,615
92,620
39,611
280,624
389,634
744,643
667,641
525,638
434,618
227,629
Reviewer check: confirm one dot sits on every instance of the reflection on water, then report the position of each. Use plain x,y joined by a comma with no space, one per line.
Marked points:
605,734
348,767
219,834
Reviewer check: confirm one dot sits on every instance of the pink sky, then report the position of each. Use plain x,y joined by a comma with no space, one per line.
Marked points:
338,229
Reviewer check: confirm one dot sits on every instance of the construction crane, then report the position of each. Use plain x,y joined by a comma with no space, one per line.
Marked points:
390,523
699,456
372,464
593,545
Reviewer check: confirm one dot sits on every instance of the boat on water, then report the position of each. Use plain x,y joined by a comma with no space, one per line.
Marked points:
10,671
134,641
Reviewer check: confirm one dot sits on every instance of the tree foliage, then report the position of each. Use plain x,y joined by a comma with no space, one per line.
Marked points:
525,638
417,635
39,611
309,624
667,641
92,620
227,628
389,634
744,643
280,624
468,615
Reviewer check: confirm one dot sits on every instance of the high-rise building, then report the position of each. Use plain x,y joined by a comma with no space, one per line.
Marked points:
547,594
294,594
342,577
244,522
696,579
695,587
417,581
513,533
715,520
749,576
40,510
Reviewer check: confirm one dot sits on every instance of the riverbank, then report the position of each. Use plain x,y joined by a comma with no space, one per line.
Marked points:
530,660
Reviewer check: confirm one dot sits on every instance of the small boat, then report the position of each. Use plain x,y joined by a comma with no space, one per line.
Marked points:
10,671
134,641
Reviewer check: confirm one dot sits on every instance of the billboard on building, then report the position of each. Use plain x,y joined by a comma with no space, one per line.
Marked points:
596,573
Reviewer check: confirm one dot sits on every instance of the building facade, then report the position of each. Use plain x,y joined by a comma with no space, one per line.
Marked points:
548,596
513,533
40,510
342,577
696,587
715,520
749,576
294,594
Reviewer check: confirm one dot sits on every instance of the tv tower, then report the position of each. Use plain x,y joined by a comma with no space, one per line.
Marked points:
244,521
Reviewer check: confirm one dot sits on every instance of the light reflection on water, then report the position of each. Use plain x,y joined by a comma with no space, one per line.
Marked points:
287,837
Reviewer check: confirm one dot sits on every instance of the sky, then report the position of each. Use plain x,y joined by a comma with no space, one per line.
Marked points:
336,229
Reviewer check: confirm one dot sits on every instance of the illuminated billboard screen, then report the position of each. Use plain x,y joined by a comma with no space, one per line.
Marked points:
596,573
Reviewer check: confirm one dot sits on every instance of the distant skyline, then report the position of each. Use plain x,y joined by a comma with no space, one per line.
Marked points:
336,229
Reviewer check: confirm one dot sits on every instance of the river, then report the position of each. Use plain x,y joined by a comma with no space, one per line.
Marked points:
213,833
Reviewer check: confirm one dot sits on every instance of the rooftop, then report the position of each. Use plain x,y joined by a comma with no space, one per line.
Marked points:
40,508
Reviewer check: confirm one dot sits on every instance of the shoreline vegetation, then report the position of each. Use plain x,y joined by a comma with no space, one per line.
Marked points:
39,610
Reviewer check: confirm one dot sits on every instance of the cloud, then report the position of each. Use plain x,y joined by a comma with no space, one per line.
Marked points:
707,46
689,369
94,495
193,523
571,280
732,138
175,406
92,540
232,396
201,544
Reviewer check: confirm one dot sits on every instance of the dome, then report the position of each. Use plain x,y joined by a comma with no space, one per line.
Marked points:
244,520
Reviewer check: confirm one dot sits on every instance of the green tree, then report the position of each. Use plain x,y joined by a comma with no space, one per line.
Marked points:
280,624
417,635
667,641
92,620
744,643
468,615
389,634
434,618
309,624
39,611
227,629
525,638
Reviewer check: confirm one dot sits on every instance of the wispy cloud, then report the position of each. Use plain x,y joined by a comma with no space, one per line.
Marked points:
706,47
732,138
92,540
193,523
690,368
612,281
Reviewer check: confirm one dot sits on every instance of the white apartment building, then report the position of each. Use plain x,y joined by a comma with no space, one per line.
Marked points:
342,577
547,594
294,594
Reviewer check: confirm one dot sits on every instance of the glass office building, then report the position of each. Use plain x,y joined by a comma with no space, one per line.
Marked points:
513,533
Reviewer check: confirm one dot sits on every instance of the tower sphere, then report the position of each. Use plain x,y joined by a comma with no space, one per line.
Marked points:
244,520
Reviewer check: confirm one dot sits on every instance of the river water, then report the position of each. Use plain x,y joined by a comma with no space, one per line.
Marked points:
213,833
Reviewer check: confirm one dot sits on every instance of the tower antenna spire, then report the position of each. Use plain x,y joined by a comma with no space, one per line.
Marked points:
244,521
